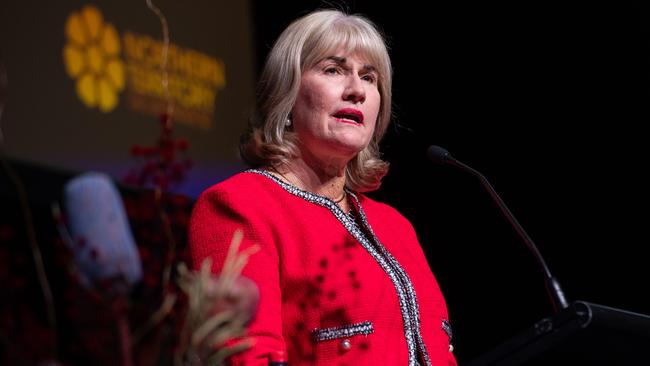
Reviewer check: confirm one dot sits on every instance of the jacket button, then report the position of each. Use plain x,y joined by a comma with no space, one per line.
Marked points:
345,345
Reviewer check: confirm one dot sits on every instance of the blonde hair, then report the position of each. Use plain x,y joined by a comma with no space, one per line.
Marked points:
303,44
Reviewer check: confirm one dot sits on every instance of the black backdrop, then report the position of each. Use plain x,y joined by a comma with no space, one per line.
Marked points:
549,102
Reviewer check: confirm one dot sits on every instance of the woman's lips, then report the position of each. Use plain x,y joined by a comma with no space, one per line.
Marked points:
349,115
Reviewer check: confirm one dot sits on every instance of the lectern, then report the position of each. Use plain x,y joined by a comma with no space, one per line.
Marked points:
579,333
582,334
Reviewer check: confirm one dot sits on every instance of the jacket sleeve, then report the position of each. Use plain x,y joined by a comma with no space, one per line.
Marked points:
215,217
452,360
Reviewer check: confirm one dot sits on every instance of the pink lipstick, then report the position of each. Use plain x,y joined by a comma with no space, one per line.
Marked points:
349,115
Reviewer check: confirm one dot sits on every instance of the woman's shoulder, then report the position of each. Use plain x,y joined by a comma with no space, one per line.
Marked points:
244,183
384,218
371,206
241,179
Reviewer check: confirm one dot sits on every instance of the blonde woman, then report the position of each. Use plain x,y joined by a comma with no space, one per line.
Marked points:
342,278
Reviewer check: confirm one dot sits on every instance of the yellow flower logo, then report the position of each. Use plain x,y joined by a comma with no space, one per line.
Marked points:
91,57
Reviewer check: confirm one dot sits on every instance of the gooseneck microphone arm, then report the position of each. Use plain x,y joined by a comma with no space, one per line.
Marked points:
441,156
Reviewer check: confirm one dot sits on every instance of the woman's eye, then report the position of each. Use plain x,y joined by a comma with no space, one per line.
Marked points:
331,70
369,78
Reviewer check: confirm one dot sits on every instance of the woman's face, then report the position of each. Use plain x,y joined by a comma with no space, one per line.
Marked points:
337,106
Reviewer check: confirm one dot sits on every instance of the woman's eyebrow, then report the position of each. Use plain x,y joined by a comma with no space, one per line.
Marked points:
369,68
337,59
343,61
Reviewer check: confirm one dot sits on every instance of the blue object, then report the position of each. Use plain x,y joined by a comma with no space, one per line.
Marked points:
103,244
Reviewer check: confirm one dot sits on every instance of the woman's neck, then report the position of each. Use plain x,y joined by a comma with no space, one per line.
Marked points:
325,178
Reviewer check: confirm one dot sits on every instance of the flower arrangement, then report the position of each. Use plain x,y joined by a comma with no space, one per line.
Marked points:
219,309
172,316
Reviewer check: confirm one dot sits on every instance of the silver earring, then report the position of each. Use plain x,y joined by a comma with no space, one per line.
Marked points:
287,123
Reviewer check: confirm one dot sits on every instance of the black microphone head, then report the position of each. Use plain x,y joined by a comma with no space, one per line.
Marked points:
438,155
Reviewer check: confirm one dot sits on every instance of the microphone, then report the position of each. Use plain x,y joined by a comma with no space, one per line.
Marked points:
103,245
440,156
101,239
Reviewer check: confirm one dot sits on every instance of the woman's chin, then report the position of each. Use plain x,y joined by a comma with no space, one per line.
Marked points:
350,150
340,148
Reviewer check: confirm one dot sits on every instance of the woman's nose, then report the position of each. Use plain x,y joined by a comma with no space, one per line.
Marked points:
354,90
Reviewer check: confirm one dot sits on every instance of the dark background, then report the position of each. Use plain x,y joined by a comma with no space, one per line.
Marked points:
549,102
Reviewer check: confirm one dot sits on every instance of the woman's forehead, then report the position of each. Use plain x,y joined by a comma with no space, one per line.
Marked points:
345,52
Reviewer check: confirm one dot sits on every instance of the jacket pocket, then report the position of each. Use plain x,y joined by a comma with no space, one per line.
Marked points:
345,344
341,332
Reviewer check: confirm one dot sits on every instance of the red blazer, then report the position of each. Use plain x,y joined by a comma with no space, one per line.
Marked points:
329,294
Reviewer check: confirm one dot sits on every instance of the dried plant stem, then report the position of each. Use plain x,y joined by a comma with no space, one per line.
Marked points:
37,256
125,338
155,319
165,54
169,235
235,262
